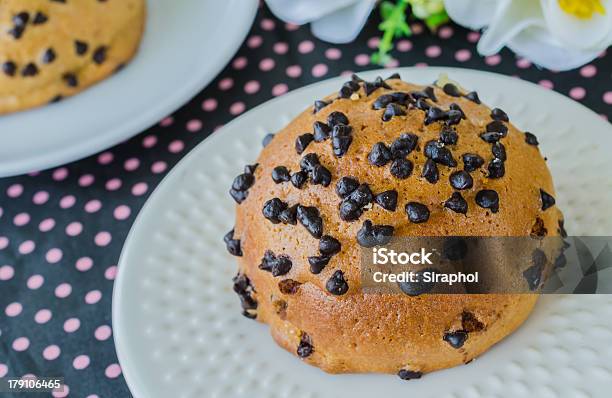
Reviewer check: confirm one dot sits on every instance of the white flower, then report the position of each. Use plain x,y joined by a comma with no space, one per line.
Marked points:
556,34
335,21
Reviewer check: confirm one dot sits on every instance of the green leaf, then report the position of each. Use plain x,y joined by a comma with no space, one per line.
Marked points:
386,8
435,20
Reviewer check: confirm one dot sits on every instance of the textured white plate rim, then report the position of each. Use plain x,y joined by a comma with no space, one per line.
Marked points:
159,107
130,371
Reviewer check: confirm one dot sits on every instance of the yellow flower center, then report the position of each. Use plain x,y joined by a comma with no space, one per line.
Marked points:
583,9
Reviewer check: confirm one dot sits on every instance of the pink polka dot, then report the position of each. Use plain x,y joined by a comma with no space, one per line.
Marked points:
13,309
113,371
392,63
14,191
546,84
61,394
84,264
46,225
404,45
251,87
67,202
167,121
40,197
176,146
240,63
267,64
333,53
523,63
27,247
373,42
21,219
139,188
319,70
280,48
103,332
493,60
588,71
237,108
113,184
105,158
122,212
416,28
209,104
92,396
159,167
294,71
149,141
4,242
131,164
420,65
362,59
279,89
291,27
81,362
21,344
446,32
267,24
102,238
226,83
433,51
6,272
43,316
194,125
86,180
111,272
254,41
72,325
577,93
63,290
306,46
60,174
35,282
473,37
51,352
74,228
93,297
463,55
54,255
607,97
93,206
3,370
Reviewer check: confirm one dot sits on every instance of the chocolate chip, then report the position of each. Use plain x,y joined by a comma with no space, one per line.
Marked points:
405,374
9,68
272,209
380,154
329,245
48,56
370,87
16,31
29,70
533,274
362,195
80,47
387,200
352,205
321,131
374,235
39,18
392,110
288,286
426,93
401,168
320,104
456,107
429,91
386,99
318,263
419,285
455,248
336,284
289,215
402,146
430,171
99,55
451,90
305,348
471,161
473,96
498,114
437,152
267,139
309,161
310,218
497,127
499,150
55,99
348,89
456,203
461,180
232,245
341,139
277,265
417,212
491,137
70,79
238,196
448,136
21,19
345,186
455,339
302,142
299,178
560,261
320,175
422,104
434,114
488,199
496,168
562,230
454,117
243,182
394,76
250,168
336,118
244,289
531,139
547,199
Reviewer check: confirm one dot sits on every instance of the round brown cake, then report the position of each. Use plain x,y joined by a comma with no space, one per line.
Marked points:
380,159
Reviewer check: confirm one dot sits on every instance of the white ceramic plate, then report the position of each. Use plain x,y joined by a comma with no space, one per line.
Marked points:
179,55
178,328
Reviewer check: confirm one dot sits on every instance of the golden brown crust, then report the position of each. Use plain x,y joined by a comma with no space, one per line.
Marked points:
357,332
40,43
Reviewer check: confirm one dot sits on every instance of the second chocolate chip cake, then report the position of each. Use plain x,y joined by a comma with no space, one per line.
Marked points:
380,159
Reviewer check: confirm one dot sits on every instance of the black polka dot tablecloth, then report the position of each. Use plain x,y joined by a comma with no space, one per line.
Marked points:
62,230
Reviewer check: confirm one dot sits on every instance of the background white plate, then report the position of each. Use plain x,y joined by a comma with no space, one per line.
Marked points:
177,323
181,52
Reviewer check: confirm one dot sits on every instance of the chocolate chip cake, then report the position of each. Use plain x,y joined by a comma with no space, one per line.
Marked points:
376,160
50,49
